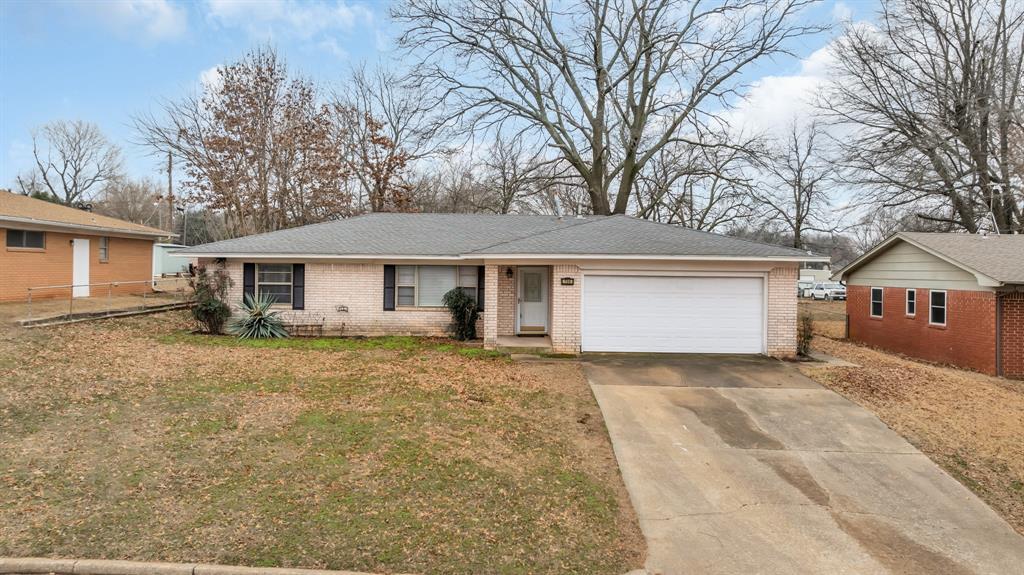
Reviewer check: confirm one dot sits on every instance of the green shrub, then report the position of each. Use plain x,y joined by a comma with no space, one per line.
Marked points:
804,333
464,314
257,320
210,288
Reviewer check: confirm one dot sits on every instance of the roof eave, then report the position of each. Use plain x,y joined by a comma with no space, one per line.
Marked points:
477,256
85,227
982,279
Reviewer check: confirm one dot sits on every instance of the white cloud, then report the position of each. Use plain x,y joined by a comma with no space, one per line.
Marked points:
315,22
211,78
154,20
841,12
773,102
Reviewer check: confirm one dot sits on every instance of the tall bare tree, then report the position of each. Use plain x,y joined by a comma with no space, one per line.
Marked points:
73,160
700,187
258,145
387,125
933,95
132,200
793,191
608,83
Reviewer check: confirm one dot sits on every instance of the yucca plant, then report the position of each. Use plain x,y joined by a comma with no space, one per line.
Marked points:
258,321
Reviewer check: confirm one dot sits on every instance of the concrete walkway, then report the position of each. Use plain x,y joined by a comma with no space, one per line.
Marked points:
743,465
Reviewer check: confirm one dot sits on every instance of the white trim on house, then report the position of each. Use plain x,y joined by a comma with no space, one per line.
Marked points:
906,302
945,307
881,301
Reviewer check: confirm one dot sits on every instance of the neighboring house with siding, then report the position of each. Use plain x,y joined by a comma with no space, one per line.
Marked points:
950,298
47,244
594,283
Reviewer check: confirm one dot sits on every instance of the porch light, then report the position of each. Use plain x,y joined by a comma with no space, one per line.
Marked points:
508,272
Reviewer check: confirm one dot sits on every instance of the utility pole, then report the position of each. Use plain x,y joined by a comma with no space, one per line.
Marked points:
170,191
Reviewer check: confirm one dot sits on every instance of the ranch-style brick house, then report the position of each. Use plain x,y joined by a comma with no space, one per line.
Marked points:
949,298
47,244
593,283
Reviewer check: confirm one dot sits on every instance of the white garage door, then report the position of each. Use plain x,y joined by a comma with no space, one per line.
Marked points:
673,314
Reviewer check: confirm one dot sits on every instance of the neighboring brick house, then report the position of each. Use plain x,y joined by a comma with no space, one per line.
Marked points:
956,299
47,244
577,284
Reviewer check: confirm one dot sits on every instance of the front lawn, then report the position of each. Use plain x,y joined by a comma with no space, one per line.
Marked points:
133,439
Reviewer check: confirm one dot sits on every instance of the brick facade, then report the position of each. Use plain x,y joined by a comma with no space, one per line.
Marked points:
1012,334
566,333
782,311
967,339
129,260
359,287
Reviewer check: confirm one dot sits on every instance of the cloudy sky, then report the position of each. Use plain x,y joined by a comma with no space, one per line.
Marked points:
103,61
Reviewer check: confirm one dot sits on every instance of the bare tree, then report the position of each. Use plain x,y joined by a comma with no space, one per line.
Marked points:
700,187
132,200
258,146
933,93
608,83
386,125
73,159
793,189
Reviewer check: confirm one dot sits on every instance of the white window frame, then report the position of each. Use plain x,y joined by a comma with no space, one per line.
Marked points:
945,307
416,284
290,284
908,302
104,249
881,302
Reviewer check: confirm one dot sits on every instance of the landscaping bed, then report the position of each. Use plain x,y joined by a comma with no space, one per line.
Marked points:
135,439
970,424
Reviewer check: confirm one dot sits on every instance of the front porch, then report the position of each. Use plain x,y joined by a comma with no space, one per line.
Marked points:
532,308
524,344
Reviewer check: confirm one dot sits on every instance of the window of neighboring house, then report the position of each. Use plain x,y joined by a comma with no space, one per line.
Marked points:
937,307
876,302
911,302
274,280
425,286
104,249
26,239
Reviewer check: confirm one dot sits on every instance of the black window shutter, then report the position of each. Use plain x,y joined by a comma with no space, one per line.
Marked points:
249,280
298,286
389,288
480,287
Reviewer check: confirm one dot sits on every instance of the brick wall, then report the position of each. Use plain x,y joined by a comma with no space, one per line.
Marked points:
360,288
506,304
490,319
565,309
130,260
1012,333
967,340
782,311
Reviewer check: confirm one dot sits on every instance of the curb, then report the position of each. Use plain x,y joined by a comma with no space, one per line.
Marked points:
40,565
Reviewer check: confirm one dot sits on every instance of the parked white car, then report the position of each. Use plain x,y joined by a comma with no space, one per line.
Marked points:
803,288
828,291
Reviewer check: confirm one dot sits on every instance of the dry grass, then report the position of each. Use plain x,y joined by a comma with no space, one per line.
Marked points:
829,317
130,439
970,424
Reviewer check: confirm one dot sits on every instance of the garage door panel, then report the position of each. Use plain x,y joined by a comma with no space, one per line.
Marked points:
673,314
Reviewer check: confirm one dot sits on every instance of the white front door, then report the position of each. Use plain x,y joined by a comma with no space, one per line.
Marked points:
673,314
533,300
80,268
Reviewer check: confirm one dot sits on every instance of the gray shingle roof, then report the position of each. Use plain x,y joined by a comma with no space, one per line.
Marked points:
480,234
1000,257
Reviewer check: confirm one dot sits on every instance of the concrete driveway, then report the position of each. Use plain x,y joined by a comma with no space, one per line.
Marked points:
743,465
